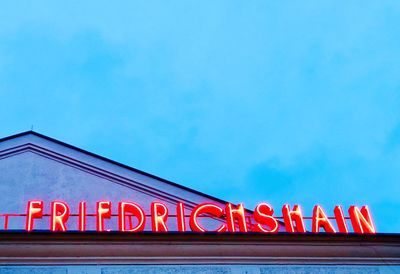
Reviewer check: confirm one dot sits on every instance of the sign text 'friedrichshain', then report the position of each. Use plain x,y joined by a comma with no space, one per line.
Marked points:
231,218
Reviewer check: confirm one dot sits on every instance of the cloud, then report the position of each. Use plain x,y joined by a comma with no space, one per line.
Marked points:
284,102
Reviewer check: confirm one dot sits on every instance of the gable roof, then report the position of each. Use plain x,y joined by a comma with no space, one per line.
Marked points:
33,140
146,183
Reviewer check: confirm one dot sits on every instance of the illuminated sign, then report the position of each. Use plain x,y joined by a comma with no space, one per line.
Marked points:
229,218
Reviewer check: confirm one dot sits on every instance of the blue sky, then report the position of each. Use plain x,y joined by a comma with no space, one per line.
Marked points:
278,101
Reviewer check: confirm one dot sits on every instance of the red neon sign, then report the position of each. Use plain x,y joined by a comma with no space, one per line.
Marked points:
59,216
134,210
159,215
103,212
205,217
209,209
34,210
296,216
265,222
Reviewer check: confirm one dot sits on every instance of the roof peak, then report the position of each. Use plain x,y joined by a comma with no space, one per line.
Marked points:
23,133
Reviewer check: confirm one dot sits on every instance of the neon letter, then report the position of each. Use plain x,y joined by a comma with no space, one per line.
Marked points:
263,216
159,215
59,216
133,209
82,216
34,210
238,214
180,215
320,219
209,209
103,212
293,215
340,221
361,220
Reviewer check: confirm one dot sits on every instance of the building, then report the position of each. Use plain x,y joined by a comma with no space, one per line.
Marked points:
83,193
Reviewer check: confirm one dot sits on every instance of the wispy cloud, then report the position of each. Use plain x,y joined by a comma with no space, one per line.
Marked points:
285,102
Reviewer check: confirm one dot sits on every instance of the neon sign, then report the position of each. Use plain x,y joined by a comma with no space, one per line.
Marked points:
230,218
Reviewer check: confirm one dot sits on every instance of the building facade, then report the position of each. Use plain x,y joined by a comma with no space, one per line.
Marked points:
48,186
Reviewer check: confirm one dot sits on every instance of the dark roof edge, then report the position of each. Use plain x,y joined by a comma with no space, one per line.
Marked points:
112,162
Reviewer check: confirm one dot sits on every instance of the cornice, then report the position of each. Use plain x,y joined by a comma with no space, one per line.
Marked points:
191,248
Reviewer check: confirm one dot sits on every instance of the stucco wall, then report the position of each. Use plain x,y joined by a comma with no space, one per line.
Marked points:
35,168
29,176
32,172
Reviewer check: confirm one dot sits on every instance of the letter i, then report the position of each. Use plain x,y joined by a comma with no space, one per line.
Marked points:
180,216
82,216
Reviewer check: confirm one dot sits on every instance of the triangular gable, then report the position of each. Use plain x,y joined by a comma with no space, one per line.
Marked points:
34,166
59,151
